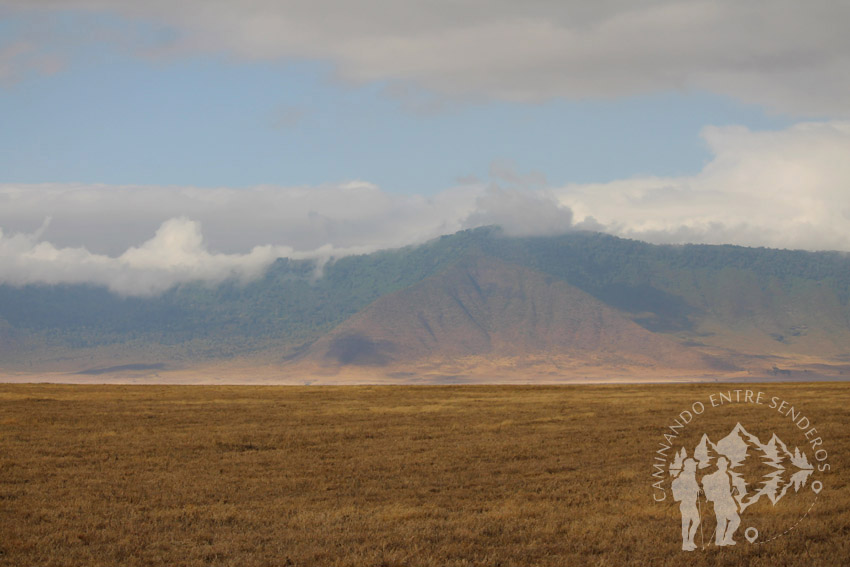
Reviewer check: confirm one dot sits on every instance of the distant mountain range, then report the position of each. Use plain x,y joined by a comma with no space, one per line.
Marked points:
465,306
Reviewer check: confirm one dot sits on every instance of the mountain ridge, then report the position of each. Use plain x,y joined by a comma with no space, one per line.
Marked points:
578,304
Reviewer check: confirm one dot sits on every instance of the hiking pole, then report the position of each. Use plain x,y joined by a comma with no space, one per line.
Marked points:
701,534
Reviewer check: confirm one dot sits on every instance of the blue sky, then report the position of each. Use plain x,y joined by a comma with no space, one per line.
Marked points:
208,121
114,113
167,136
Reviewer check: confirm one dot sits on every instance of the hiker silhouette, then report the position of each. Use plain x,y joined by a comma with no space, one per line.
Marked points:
686,491
718,489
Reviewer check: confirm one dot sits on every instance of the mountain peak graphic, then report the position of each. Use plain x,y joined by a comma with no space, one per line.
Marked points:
737,444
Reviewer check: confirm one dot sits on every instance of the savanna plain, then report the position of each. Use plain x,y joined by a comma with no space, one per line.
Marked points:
375,476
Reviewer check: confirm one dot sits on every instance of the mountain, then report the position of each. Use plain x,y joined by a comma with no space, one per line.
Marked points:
472,305
484,306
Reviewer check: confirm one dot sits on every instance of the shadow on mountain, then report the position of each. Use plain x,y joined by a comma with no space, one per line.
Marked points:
359,350
669,313
122,368
719,364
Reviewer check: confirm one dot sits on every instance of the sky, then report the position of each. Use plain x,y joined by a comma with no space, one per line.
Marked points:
145,144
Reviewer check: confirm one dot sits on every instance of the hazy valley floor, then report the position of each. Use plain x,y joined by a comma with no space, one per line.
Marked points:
378,476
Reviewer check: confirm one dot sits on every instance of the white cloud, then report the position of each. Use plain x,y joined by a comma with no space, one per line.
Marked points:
785,189
787,55
109,219
93,230
520,213
174,255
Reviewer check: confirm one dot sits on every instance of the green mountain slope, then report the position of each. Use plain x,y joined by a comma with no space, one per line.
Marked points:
725,303
294,303
756,299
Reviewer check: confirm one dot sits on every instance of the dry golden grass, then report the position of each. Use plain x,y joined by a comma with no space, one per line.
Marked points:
371,476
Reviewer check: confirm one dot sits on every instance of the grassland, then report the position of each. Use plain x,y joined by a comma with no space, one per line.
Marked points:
374,476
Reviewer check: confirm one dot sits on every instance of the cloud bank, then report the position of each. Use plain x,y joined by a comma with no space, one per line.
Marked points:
785,189
787,55
175,254
781,189
88,234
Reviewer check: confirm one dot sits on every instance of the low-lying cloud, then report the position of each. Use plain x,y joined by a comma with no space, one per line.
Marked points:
91,232
175,254
518,214
784,189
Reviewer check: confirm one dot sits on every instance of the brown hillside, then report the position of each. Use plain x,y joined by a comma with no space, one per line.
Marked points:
483,306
